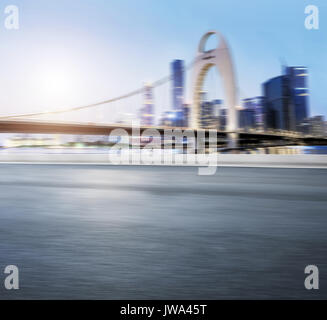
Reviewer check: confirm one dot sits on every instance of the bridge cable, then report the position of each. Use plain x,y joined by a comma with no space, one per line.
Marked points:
155,84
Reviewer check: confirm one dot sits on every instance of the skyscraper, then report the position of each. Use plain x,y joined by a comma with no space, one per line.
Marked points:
147,111
247,118
299,92
317,126
278,109
210,113
222,122
177,71
208,119
186,115
255,104
286,100
173,119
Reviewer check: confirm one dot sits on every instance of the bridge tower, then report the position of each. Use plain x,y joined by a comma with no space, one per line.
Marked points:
220,58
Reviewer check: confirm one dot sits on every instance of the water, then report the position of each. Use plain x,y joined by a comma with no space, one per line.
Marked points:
104,232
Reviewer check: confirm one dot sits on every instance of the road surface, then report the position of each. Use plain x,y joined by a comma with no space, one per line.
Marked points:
106,232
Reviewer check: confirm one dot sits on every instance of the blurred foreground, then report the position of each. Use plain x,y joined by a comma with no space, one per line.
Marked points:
94,232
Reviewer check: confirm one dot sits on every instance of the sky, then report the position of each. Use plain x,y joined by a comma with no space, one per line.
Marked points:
71,53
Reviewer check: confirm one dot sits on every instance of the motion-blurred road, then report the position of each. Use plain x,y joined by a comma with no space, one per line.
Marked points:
105,232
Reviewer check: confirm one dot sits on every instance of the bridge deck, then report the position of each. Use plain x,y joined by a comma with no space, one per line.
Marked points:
48,127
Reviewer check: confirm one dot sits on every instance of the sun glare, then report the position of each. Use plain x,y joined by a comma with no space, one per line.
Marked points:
55,83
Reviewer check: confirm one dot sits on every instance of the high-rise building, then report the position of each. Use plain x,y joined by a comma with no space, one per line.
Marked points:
186,115
207,115
172,119
213,114
256,106
278,109
247,118
222,122
299,92
210,114
147,111
217,104
305,127
177,71
286,100
317,126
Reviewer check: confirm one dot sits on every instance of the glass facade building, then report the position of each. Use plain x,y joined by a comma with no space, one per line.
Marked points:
186,115
247,119
208,118
210,112
286,100
147,111
173,119
222,119
177,72
254,117
299,92
278,109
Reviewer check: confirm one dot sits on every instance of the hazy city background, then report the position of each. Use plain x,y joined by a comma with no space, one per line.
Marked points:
79,228
59,59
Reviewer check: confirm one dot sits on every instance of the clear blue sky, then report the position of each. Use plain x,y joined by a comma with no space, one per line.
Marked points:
98,49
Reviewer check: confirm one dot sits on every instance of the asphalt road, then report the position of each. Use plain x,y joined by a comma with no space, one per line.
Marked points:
105,232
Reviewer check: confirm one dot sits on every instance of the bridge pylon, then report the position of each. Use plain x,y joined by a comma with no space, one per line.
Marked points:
220,58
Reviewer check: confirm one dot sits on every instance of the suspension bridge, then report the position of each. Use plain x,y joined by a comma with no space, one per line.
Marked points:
55,122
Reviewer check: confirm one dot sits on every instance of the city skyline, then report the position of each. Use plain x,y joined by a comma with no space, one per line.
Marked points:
163,155
81,54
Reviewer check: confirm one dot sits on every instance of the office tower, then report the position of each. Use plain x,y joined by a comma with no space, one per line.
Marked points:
172,119
177,72
222,117
305,127
217,104
147,111
317,126
278,109
179,118
246,118
299,92
167,119
186,115
210,114
255,104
